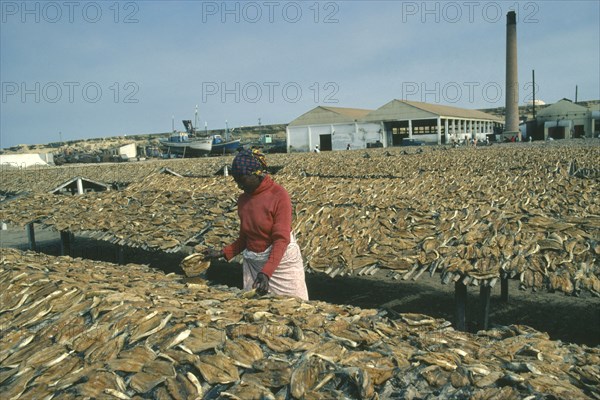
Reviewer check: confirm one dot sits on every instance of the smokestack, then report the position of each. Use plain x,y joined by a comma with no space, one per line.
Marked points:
511,123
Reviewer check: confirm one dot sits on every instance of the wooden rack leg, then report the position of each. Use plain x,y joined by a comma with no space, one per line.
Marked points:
31,237
121,255
65,243
484,300
504,289
460,296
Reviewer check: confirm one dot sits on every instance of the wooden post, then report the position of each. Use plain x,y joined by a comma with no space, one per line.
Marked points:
65,243
121,255
460,297
31,236
504,288
484,300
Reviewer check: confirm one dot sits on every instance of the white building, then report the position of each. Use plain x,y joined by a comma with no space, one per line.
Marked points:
431,123
334,128
566,120
124,152
27,160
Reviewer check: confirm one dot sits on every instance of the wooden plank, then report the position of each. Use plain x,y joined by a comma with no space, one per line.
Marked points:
460,297
484,304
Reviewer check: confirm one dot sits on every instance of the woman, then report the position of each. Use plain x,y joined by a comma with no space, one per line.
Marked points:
272,258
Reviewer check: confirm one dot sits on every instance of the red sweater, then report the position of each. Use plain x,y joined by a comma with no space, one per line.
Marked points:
265,219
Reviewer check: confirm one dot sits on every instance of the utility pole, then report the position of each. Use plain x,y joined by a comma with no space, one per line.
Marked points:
533,88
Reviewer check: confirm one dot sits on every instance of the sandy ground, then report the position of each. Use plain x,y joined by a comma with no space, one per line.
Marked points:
566,318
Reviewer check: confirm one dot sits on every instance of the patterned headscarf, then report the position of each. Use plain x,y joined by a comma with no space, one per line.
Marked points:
249,162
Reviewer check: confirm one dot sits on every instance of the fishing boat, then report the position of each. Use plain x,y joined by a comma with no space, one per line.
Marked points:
179,143
223,146
226,145
219,145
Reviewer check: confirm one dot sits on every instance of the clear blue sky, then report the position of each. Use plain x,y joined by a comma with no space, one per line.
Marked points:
87,69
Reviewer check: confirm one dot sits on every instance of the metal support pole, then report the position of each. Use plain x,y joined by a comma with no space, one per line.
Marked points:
484,300
460,297
31,236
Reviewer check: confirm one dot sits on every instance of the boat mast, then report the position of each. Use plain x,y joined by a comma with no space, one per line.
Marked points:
226,132
195,119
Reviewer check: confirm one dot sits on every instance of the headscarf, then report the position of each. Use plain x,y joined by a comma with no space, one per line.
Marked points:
248,162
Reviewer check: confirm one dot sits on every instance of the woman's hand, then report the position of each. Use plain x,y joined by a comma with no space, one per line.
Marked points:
261,284
212,254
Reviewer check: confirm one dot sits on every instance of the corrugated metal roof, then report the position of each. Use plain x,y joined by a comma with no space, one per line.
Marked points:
562,107
329,115
354,113
392,110
449,111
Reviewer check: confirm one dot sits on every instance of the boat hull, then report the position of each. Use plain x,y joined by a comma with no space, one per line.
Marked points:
225,147
192,148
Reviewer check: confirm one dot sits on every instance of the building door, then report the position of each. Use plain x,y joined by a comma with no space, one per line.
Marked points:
325,142
556,132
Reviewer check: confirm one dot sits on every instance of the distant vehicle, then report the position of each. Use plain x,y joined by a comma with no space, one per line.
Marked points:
375,144
412,142
265,139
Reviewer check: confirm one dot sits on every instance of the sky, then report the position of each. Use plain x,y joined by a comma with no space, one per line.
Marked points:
75,70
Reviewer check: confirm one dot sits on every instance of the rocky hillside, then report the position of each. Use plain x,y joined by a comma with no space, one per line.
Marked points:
248,134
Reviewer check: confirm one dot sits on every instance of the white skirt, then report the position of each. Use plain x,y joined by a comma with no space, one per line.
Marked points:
288,277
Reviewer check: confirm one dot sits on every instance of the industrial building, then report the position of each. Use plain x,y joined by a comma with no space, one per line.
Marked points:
567,120
336,128
332,128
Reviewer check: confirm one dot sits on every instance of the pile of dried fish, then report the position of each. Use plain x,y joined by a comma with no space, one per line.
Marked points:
472,215
73,328
166,218
40,180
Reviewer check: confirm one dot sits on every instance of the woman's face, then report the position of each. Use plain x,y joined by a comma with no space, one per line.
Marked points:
247,183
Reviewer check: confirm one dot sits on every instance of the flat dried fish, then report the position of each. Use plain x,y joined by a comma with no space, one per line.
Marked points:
248,391
194,265
217,368
243,352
